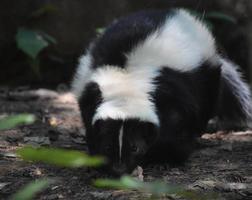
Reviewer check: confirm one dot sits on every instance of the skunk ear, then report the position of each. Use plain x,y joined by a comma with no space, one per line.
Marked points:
209,75
89,101
150,133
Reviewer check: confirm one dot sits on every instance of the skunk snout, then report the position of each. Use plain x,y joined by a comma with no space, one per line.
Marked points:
119,169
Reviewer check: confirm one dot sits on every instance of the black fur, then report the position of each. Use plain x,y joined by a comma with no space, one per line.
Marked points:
123,35
88,103
185,101
138,137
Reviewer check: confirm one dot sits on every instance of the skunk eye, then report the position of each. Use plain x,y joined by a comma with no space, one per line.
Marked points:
108,148
134,148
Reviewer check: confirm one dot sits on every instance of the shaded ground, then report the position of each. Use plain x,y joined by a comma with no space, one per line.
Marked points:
223,165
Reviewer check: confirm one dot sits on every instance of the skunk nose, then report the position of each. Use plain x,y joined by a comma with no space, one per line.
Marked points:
119,169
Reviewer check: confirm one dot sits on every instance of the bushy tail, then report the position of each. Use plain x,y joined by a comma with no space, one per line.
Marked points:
234,109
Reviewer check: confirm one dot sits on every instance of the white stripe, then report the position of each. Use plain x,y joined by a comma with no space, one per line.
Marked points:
120,143
82,75
182,43
126,93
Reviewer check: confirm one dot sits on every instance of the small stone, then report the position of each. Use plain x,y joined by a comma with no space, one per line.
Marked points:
3,143
37,140
52,197
53,121
55,187
53,135
79,140
2,185
101,195
37,172
227,147
10,155
138,173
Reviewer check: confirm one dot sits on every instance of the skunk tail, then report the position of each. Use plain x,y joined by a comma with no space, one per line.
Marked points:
234,109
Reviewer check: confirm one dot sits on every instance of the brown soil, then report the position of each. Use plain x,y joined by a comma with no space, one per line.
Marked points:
222,165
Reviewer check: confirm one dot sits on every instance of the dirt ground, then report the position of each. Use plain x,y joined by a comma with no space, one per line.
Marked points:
222,165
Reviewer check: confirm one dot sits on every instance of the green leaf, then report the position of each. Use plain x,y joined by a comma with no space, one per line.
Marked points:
47,37
209,25
128,183
221,16
45,9
159,188
124,182
156,188
30,190
213,15
30,42
196,195
194,13
59,157
13,121
35,66
99,31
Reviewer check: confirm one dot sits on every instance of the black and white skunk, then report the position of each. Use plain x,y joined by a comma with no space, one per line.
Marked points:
150,84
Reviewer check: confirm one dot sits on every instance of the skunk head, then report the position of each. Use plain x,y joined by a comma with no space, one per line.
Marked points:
120,116
123,143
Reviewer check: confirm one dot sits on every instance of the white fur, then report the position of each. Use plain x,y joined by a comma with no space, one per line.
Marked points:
120,143
125,94
182,43
82,75
240,88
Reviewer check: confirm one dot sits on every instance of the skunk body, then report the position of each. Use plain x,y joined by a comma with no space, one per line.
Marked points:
149,85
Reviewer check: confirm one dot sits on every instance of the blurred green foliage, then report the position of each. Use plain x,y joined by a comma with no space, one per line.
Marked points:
32,42
157,188
30,190
59,157
73,159
15,120
47,8
208,17
100,30
220,16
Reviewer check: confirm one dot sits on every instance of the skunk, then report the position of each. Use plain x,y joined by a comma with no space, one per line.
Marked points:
150,84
